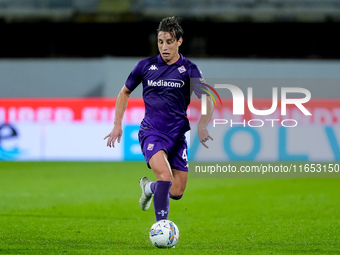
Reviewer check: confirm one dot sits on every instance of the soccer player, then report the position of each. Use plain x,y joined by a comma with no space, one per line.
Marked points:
166,94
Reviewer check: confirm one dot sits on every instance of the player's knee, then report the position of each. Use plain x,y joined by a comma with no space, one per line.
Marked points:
164,177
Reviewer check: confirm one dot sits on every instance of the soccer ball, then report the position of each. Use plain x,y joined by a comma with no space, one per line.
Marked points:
164,234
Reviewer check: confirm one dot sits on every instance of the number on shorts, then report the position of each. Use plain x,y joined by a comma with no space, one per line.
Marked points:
184,155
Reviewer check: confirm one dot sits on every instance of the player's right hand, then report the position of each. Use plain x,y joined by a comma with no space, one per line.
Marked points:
116,134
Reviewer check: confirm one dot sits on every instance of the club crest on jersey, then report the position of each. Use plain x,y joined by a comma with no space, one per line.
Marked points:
150,146
181,69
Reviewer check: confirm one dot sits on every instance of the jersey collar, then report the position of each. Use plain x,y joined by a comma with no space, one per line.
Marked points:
178,63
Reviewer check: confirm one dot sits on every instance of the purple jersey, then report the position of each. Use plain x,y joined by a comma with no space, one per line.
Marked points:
166,93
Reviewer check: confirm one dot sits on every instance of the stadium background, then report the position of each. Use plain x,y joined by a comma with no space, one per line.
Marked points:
54,53
63,62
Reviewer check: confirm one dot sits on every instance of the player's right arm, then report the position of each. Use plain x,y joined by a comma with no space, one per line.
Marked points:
121,104
134,79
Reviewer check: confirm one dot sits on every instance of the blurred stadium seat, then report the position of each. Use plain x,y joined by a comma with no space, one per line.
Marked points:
114,6
35,9
224,10
86,6
243,10
60,3
308,20
36,4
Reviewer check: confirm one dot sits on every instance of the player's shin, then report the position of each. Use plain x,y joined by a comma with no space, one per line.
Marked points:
161,199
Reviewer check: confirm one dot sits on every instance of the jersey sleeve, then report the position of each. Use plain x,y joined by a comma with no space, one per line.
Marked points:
135,77
197,81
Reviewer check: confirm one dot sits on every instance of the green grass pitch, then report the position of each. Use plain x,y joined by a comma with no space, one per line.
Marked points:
92,208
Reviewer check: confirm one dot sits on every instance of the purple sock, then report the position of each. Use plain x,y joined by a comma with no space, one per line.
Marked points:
175,197
161,199
153,186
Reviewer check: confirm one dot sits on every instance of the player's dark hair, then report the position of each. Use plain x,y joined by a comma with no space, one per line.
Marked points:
171,25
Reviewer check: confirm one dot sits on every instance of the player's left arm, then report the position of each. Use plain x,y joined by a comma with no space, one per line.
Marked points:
198,87
203,133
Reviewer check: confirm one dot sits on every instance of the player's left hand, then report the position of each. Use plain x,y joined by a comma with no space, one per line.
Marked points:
204,136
